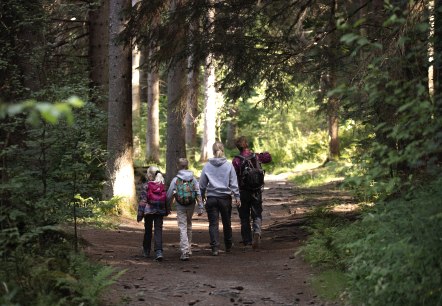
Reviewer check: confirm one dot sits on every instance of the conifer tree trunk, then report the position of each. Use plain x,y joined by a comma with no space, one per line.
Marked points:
232,127
136,101
437,76
120,169
333,101
98,53
153,115
192,110
176,101
143,75
210,105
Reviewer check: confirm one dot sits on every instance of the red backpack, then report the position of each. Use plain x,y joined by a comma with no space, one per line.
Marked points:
157,195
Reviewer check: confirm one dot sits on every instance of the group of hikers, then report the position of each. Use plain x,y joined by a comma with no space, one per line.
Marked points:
221,184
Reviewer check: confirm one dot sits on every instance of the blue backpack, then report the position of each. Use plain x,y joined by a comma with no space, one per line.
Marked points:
185,191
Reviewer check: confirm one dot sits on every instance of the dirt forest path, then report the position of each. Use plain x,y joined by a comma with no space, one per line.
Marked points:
270,276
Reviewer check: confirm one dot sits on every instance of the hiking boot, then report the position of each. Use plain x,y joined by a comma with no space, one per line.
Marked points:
215,252
159,255
184,257
256,240
146,253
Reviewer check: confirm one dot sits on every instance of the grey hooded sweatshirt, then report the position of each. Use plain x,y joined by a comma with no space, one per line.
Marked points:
218,179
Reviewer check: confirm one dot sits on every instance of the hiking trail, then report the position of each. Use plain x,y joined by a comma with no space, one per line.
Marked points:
272,275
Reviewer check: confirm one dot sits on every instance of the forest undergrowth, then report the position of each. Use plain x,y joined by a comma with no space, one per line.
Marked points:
383,253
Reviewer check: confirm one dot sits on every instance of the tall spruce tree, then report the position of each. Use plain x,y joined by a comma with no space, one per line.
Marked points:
120,171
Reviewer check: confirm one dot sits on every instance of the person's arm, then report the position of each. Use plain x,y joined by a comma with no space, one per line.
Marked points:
236,162
264,157
234,186
142,203
171,189
203,183
199,199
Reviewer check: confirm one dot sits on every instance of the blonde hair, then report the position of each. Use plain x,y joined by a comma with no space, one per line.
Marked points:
218,149
154,174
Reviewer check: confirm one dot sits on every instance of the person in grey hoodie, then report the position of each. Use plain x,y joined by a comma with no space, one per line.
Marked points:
184,211
218,182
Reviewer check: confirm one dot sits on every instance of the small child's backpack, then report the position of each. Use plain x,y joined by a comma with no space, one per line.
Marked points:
251,175
156,196
185,191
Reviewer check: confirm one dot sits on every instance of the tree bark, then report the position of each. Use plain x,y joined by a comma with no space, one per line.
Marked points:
143,75
210,111
210,105
232,127
176,101
333,101
99,54
192,110
136,101
120,169
437,74
153,115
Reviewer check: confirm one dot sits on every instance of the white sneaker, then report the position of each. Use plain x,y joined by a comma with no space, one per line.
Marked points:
184,257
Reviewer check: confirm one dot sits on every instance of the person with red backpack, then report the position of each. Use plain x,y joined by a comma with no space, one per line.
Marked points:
251,182
184,188
152,207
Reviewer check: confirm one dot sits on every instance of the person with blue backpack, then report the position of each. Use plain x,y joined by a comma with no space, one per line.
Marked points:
251,182
152,207
184,189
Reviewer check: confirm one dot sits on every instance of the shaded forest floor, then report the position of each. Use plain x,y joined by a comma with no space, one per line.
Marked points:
273,275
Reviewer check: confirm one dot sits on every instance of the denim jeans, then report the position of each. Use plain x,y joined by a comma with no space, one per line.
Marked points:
157,221
251,208
184,217
216,207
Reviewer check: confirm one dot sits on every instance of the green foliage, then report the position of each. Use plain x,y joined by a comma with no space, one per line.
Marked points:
49,112
292,133
332,171
330,284
391,256
46,272
322,248
390,102
398,261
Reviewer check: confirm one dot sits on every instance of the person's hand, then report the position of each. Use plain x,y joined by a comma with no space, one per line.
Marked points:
237,202
200,209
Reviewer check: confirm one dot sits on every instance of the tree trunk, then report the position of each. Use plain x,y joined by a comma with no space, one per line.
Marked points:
437,76
120,169
333,128
99,54
210,105
232,127
136,101
176,101
210,111
153,116
192,110
333,101
143,75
